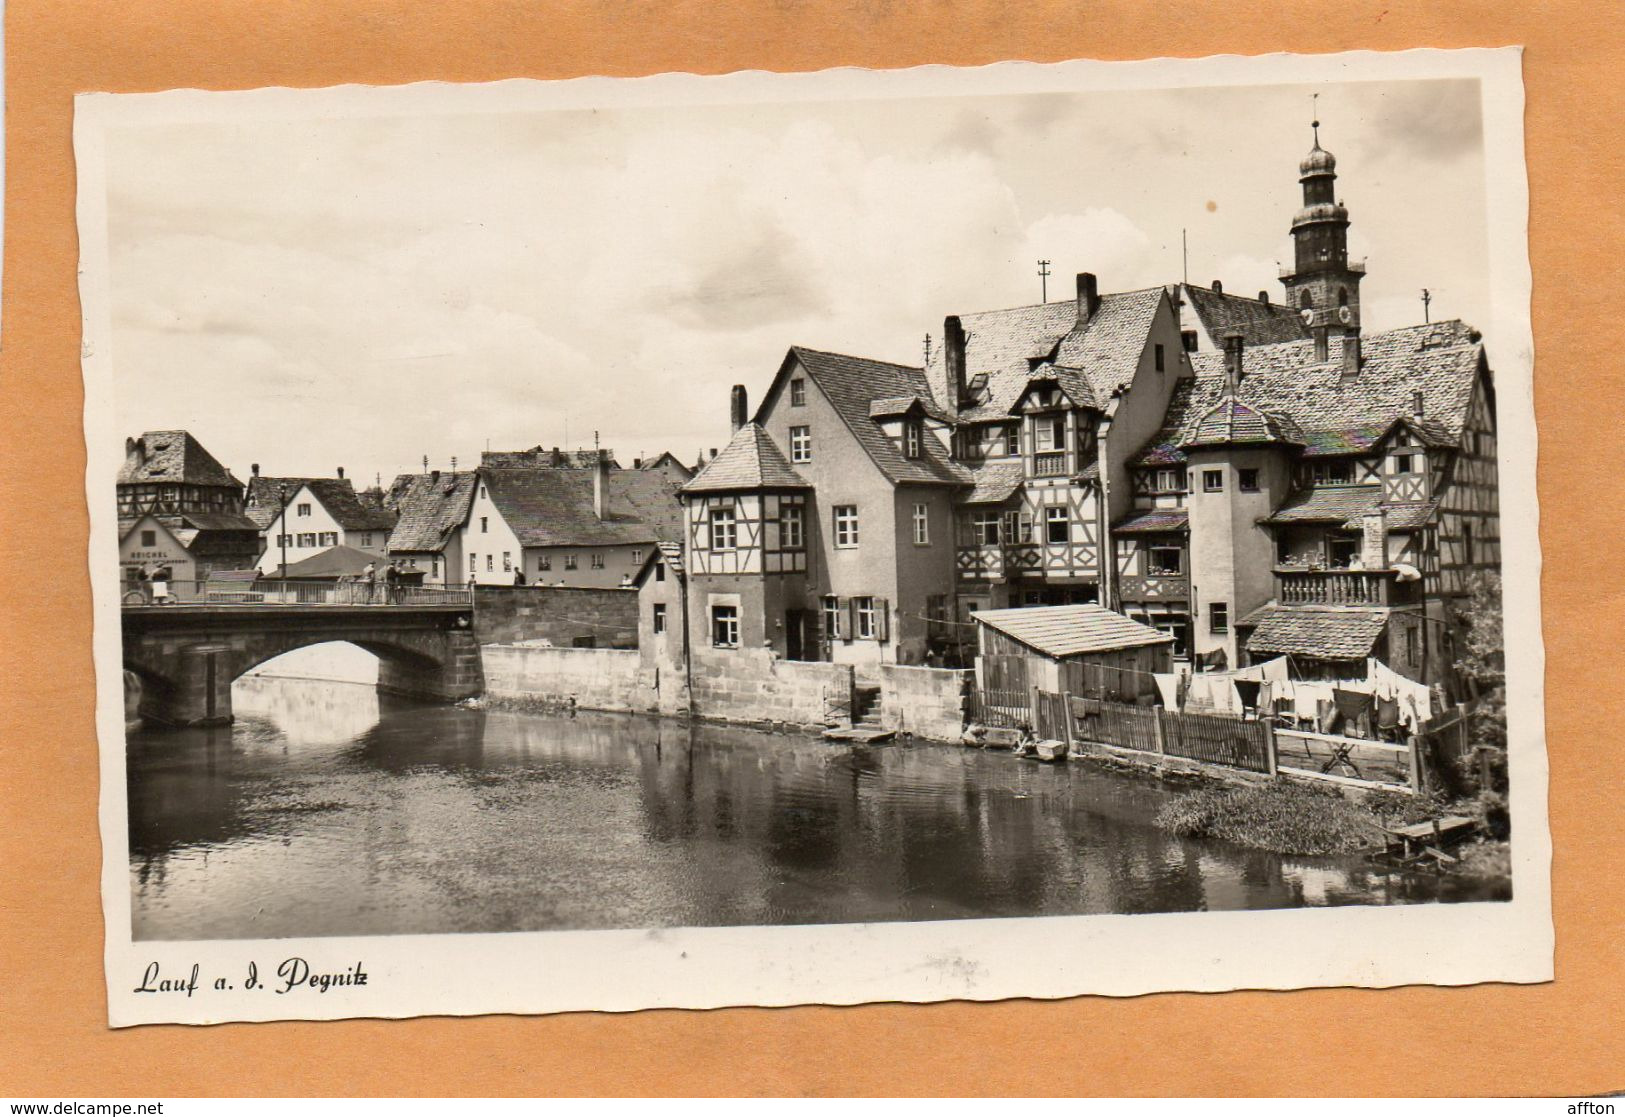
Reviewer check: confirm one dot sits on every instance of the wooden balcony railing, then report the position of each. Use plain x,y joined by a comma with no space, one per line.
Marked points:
1154,587
1335,587
1049,463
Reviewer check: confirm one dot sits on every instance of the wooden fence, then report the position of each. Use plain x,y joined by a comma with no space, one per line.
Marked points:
1249,745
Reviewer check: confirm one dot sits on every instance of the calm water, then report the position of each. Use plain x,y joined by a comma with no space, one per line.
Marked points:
327,811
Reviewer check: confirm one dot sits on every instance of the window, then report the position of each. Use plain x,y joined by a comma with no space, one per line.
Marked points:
1166,481
798,392
1402,463
598,562
792,527
985,529
149,538
482,492
1341,552
434,567
911,439
473,562
1218,617
1332,473
331,539
922,525
569,562
1162,560
846,525
660,571
1213,480
507,560
724,529
637,557
485,524
659,619
1247,480
1057,525
307,539
1162,361
832,618
725,626
864,609
1010,439
801,444
1049,433
304,510
1187,340
544,562
490,562
366,540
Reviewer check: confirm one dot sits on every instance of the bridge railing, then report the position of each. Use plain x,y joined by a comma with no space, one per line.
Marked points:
274,592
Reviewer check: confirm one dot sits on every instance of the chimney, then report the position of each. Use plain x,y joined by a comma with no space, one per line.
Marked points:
254,469
1374,540
736,408
1264,297
1232,360
637,463
713,453
434,475
1416,403
341,473
1321,347
600,478
1351,352
953,359
1218,288
1088,296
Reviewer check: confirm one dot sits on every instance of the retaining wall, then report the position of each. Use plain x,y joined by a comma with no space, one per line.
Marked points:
597,678
924,701
559,615
753,685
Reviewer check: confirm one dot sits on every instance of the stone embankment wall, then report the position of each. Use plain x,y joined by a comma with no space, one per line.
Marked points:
926,702
597,678
557,615
753,685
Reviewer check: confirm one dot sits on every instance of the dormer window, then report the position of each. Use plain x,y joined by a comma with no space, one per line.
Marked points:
911,438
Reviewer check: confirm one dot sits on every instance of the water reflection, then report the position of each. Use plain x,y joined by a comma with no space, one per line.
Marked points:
328,810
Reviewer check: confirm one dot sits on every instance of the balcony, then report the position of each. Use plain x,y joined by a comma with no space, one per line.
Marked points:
1049,463
1342,587
1154,587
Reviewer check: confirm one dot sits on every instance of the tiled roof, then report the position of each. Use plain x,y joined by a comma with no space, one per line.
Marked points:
172,456
850,384
995,482
1407,516
749,461
1338,414
1323,633
1155,521
671,553
1108,349
335,562
1071,381
542,457
554,507
218,521
1258,323
893,406
351,513
1003,345
1231,422
1328,504
1066,630
429,507
265,496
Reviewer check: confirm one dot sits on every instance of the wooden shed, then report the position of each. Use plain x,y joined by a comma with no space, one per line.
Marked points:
1083,650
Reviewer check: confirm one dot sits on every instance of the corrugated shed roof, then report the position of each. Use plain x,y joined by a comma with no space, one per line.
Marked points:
554,507
1156,521
751,460
1258,323
429,507
995,483
1323,633
1338,414
850,384
1066,630
173,456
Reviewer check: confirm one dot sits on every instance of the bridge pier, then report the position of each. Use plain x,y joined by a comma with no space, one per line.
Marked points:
460,676
200,693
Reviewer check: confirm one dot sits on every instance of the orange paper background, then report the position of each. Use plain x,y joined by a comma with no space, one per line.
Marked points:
1561,1038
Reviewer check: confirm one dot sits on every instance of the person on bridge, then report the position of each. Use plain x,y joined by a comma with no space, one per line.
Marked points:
368,576
160,585
518,577
390,576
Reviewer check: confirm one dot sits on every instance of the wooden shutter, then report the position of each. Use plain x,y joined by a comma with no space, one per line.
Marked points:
848,615
882,619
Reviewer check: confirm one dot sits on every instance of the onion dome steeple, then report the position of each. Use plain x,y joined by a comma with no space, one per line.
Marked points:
1322,285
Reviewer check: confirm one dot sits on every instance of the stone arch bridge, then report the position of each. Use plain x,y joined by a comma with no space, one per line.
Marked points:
187,656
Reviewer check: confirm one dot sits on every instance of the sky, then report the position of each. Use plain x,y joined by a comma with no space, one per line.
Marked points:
364,292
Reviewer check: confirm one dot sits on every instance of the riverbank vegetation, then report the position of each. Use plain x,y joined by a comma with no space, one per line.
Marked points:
1285,817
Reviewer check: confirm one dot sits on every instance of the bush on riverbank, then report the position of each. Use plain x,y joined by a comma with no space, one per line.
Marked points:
1280,817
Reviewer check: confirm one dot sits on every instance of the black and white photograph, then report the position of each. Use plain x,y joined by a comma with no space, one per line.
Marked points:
771,539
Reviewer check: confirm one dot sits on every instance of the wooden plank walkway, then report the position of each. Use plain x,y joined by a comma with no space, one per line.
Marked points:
859,735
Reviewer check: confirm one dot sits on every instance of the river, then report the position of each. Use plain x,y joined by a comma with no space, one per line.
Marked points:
328,810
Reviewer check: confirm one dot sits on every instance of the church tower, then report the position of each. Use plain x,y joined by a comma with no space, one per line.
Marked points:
1323,286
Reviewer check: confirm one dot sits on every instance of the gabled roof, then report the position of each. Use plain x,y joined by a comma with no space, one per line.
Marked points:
751,460
264,496
1067,630
1317,632
429,508
1072,383
666,459
335,562
669,553
1231,423
1339,414
541,457
348,510
554,507
851,384
1010,347
1156,521
1259,323
995,483
172,456
895,406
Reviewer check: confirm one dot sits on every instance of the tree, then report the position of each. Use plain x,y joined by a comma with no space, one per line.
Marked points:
1483,661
